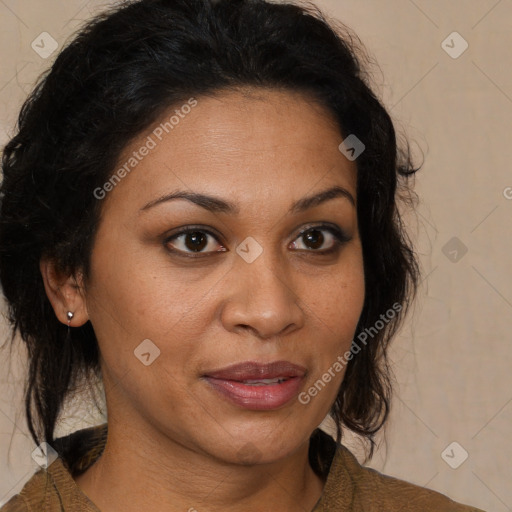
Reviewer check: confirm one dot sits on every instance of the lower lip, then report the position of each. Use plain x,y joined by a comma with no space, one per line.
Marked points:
260,398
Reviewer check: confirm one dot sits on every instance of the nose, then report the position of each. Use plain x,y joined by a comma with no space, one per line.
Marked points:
261,296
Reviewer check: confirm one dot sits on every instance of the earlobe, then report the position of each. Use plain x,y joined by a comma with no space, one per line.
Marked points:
64,293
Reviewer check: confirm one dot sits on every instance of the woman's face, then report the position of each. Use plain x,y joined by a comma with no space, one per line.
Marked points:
244,286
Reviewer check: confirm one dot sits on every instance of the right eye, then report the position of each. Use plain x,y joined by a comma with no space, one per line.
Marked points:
190,241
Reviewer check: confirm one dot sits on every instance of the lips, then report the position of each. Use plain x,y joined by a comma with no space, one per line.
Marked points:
257,386
251,372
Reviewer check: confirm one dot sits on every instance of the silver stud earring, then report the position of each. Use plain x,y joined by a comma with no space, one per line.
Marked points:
70,316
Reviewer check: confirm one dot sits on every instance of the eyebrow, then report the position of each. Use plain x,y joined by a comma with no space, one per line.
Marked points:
217,205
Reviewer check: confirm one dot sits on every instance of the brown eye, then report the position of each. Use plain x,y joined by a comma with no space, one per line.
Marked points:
314,238
193,240
196,241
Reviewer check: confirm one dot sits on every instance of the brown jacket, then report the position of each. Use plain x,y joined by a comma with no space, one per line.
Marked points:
349,487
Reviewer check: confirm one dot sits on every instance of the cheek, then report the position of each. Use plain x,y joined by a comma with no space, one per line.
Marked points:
336,303
337,299
136,297
134,292
337,314
140,314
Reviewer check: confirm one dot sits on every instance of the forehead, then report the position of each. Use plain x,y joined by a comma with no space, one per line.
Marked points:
258,144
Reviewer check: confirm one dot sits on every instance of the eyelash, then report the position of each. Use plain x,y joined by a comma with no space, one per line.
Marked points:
340,238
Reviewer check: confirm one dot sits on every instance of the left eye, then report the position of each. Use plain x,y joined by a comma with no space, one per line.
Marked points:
195,240
315,239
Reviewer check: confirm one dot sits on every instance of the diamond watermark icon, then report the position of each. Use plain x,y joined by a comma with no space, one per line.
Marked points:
454,45
507,192
351,147
249,453
454,455
146,352
454,249
249,249
44,45
44,455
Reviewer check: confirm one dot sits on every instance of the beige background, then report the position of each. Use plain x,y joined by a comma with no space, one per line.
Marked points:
453,358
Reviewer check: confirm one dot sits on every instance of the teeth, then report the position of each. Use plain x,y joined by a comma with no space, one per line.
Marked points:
263,382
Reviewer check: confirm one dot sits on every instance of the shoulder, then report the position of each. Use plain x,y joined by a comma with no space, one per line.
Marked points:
16,504
376,491
35,495
53,489
356,488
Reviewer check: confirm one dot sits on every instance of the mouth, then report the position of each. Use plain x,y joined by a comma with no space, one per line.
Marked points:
257,386
264,382
255,372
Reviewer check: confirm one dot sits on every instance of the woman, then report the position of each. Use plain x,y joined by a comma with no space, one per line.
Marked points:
200,208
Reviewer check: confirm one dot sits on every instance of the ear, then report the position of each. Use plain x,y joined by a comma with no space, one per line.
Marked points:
66,293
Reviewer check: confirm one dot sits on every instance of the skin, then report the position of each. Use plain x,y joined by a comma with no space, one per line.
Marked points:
174,444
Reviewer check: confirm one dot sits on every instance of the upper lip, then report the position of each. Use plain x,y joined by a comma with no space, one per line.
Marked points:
249,370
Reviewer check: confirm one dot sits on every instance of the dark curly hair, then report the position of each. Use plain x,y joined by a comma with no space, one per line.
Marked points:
115,78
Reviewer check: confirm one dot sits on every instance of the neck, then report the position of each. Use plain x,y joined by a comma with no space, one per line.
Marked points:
138,472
